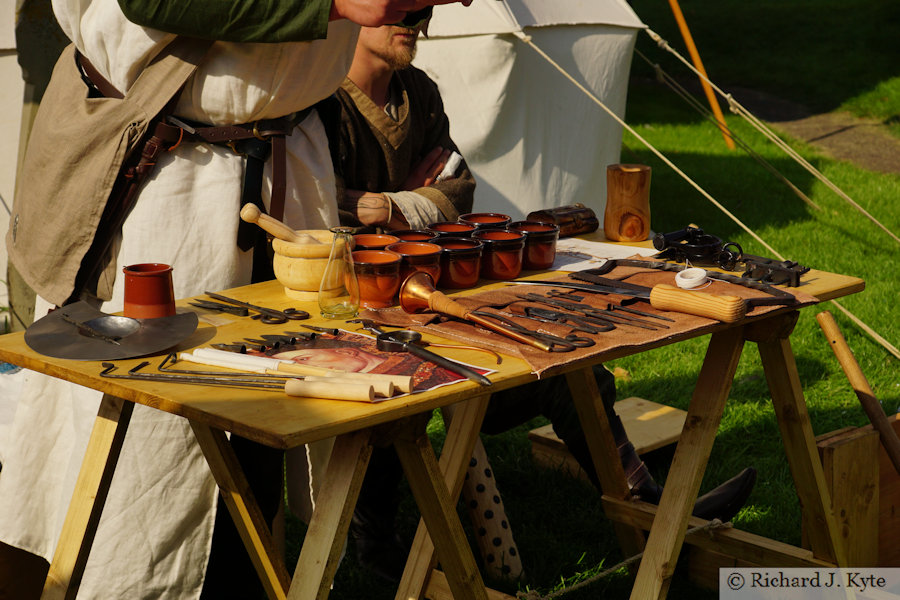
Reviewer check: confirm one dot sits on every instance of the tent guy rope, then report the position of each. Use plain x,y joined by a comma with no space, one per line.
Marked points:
527,39
739,110
866,328
535,595
685,95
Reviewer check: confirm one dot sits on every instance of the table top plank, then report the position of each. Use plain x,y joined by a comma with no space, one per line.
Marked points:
282,421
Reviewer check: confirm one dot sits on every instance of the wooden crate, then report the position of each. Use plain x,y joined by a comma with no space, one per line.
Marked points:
865,493
865,496
649,425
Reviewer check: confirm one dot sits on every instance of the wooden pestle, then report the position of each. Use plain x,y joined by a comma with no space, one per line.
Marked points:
251,214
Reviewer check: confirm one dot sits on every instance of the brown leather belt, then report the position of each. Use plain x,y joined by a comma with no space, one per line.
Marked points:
270,134
256,142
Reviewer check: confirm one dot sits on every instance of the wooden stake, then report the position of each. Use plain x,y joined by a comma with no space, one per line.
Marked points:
870,404
695,57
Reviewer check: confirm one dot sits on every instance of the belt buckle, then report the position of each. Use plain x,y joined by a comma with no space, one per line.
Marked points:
233,145
257,134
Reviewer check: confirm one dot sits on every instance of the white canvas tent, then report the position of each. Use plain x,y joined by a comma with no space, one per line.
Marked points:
531,137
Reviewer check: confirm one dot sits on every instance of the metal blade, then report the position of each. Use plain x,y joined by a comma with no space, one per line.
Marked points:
607,282
588,287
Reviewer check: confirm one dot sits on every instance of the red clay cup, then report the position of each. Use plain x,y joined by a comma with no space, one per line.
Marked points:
148,291
540,243
486,220
413,235
373,241
418,256
502,255
378,274
451,229
460,262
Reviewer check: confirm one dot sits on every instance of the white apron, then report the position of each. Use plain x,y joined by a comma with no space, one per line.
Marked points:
154,535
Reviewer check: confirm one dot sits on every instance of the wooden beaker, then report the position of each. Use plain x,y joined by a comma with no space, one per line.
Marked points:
627,215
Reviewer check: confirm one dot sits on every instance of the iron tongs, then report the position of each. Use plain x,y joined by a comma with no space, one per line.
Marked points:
269,316
556,343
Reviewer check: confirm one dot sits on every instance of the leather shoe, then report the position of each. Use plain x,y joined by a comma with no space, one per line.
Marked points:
726,500
721,503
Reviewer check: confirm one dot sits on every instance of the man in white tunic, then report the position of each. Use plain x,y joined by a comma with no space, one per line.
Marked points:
270,60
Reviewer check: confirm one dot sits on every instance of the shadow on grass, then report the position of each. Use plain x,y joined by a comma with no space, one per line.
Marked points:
819,55
557,521
736,181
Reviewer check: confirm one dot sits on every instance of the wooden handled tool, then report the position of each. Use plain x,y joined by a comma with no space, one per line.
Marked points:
271,366
322,389
725,308
417,293
251,214
721,307
401,383
870,404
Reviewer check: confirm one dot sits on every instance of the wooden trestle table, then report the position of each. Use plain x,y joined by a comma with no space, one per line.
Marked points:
285,422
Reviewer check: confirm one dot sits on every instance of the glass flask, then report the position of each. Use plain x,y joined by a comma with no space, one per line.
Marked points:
339,290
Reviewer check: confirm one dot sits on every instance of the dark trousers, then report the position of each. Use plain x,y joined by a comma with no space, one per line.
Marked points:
551,398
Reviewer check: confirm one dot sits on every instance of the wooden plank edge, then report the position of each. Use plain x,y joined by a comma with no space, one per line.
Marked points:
741,545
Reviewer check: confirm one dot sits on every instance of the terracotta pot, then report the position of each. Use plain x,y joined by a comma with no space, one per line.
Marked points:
540,243
418,256
451,229
486,220
378,274
460,262
148,291
373,241
413,235
502,255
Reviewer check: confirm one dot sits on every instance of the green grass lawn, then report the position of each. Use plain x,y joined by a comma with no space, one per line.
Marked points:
827,56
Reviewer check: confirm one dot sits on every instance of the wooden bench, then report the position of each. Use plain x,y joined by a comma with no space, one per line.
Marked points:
649,425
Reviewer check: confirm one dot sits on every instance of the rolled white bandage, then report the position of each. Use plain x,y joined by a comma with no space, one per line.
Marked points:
451,166
690,278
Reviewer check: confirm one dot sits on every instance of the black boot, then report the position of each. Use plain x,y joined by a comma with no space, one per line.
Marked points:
721,503
640,482
726,500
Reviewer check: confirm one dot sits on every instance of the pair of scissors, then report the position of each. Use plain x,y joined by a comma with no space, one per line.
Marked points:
556,343
573,321
270,316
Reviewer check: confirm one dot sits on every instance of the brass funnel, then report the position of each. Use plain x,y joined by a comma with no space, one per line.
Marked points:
418,294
